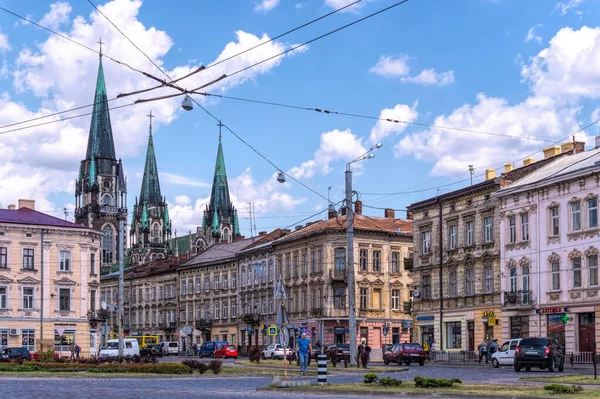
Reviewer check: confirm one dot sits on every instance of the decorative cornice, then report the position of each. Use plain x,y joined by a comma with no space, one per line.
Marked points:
591,251
28,280
554,257
575,254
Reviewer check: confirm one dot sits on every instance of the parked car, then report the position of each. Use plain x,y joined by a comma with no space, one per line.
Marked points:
225,351
157,350
506,354
15,353
405,353
274,351
208,348
111,348
152,350
339,351
169,348
539,352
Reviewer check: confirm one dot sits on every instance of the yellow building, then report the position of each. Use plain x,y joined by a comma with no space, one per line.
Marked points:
49,271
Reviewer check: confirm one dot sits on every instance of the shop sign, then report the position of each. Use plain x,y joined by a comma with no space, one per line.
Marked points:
224,330
407,324
340,330
426,317
491,321
135,333
488,313
552,310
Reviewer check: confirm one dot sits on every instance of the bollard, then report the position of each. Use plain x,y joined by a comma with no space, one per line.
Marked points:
322,369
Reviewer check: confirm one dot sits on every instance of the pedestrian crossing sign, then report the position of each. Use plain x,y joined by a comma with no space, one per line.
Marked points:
272,331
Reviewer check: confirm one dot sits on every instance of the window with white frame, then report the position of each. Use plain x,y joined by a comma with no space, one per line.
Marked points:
217,282
425,242
555,267
488,280
469,233
207,283
198,284
28,256
243,277
183,287
225,310
592,210
28,297
304,264
396,299
225,281
453,289
469,283
3,257
525,284
593,268
190,285
512,229
64,299
28,339
452,236
513,280
217,310
92,263
395,262
313,262
575,216
233,309
233,280
576,265
488,235
525,227
554,221
320,259
3,297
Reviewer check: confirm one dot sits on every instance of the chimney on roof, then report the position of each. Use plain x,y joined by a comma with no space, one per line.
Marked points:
551,151
239,238
287,231
262,233
27,203
343,211
567,147
410,215
12,207
298,227
389,213
528,161
490,174
358,207
508,167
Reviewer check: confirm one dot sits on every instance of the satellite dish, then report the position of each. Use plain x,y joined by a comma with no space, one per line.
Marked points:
103,305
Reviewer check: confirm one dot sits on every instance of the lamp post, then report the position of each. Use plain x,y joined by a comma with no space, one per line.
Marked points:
350,254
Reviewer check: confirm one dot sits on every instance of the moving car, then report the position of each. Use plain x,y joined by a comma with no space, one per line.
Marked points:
111,348
339,351
15,353
225,351
208,348
151,350
539,352
405,353
506,354
274,351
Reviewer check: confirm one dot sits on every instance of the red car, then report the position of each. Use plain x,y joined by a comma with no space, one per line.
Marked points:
405,353
225,351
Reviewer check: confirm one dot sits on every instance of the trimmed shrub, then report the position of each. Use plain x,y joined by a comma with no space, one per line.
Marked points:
389,382
423,382
215,366
200,367
48,356
370,378
564,389
19,368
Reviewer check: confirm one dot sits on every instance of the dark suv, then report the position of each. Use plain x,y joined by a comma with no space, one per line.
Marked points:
15,353
405,353
539,352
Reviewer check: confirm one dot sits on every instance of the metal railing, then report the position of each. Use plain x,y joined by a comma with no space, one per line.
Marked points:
454,356
518,298
583,358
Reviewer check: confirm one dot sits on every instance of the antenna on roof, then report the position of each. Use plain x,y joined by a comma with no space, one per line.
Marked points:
471,172
66,212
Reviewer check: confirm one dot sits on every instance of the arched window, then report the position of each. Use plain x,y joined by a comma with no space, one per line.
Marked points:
107,199
107,245
226,235
155,233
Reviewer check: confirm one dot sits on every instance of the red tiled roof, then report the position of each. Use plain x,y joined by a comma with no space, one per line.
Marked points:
361,222
29,216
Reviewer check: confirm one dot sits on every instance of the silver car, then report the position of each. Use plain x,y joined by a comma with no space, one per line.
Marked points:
274,351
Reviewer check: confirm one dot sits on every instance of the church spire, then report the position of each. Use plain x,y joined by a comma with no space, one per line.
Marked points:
150,192
100,140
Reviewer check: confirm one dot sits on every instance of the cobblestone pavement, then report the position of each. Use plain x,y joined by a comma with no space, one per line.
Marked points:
225,387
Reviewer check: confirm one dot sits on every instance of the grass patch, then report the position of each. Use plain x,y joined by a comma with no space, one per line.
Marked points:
465,389
566,379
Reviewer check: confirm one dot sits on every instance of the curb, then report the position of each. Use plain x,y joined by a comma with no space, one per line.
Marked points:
398,394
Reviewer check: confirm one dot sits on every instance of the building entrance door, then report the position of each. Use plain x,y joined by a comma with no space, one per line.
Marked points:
471,332
587,332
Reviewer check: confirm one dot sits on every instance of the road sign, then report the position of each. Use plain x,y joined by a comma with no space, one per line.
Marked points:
491,321
272,331
60,331
187,330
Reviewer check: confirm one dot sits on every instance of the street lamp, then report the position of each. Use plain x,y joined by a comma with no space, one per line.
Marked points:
187,103
350,253
281,177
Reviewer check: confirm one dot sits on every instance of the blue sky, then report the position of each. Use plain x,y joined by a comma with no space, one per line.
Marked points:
525,69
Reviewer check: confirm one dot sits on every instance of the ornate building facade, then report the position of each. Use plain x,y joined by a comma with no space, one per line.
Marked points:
150,227
101,189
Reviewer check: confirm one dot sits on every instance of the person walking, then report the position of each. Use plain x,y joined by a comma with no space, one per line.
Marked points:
432,350
426,349
77,350
72,350
364,352
482,348
303,346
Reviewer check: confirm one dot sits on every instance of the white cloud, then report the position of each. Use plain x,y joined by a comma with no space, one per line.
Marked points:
531,35
392,67
172,178
299,6
4,44
183,200
336,145
266,5
335,4
397,67
400,112
62,75
429,77
569,5
57,16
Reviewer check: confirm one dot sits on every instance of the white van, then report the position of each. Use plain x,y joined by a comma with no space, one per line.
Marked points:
169,348
111,348
505,355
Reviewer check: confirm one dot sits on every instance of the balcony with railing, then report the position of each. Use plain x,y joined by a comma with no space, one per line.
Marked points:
408,263
202,324
337,275
520,298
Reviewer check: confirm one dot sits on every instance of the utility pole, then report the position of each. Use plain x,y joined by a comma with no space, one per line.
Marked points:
121,285
350,256
441,280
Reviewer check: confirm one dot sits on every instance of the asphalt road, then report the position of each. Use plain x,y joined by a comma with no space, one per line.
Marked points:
225,387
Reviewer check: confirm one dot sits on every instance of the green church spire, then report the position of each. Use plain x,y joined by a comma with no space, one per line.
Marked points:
92,172
236,225
219,198
144,217
215,223
100,140
166,219
150,192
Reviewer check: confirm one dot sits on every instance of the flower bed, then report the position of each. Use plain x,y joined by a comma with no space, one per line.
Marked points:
136,368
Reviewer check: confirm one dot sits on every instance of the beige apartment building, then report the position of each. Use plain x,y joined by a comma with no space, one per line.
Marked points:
49,280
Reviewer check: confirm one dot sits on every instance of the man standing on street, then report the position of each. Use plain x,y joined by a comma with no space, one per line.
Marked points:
303,347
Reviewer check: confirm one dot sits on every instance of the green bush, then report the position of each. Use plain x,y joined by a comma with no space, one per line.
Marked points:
19,368
215,366
370,378
423,382
47,356
142,368
557,388
389,382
